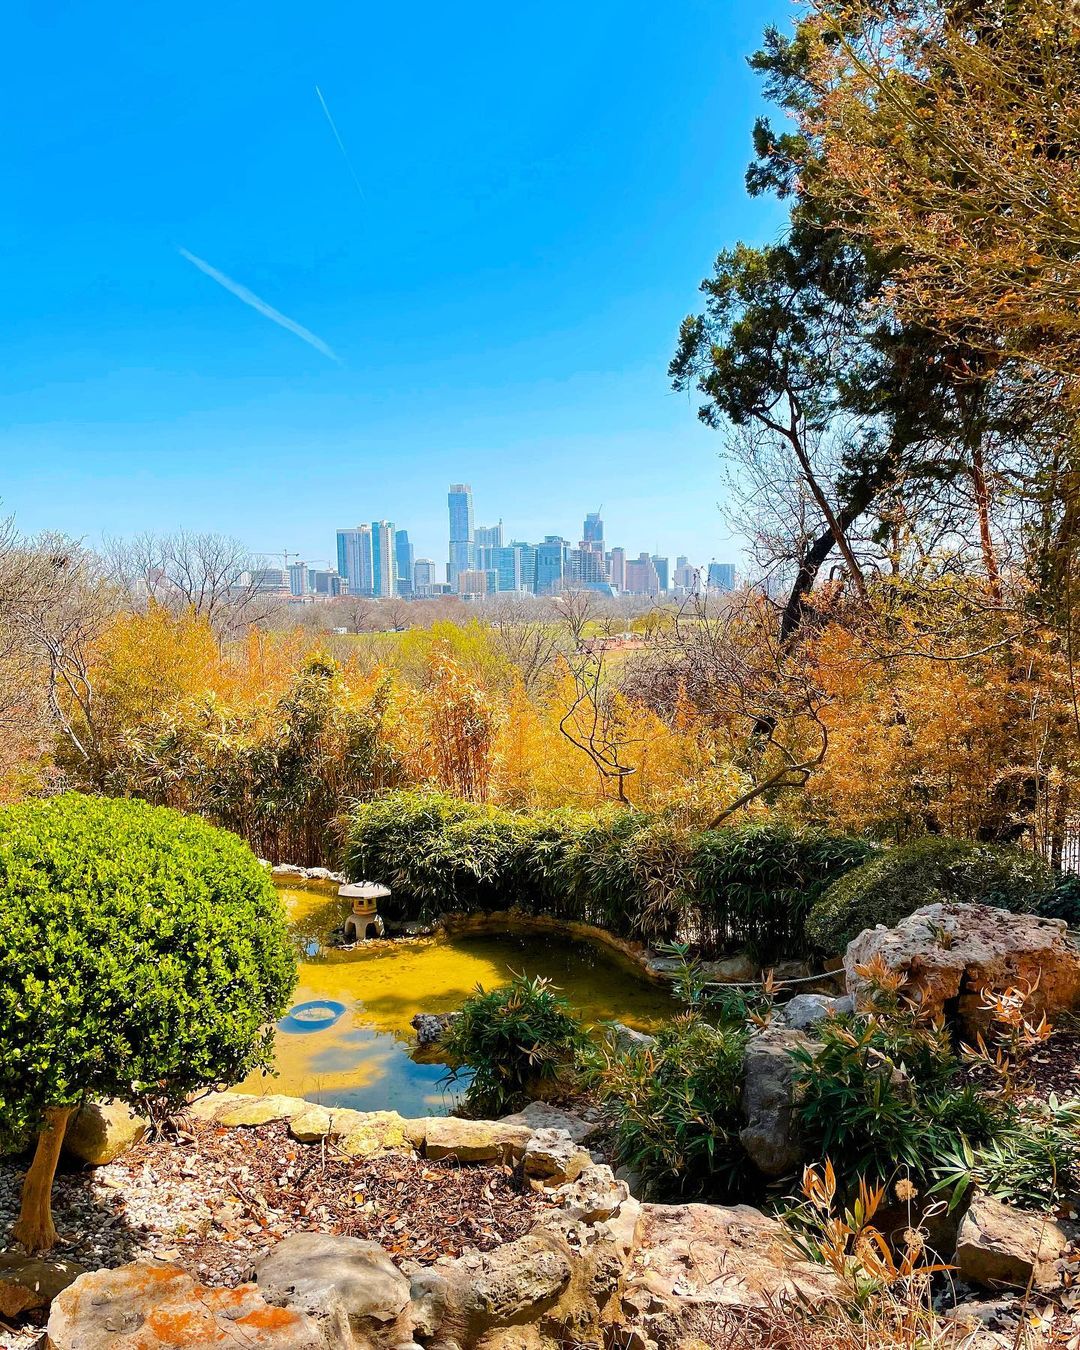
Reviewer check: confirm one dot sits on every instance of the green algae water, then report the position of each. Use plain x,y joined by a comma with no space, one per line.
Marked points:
361,1057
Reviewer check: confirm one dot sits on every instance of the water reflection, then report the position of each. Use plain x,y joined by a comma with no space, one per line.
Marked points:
363,1058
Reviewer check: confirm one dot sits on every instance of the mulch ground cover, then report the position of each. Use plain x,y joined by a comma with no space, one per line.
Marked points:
212,1200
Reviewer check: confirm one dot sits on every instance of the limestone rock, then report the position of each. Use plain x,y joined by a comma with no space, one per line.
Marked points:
430,1028
733,970
999,1245
553,1157
514,1283
542,1115
286,870
30,1282
311,1125
951,952
336,1279
475,1140
101,1131
594,1197
693,1257
361,1134
147,1307
805,1011
257,1110
771,1133
626,1040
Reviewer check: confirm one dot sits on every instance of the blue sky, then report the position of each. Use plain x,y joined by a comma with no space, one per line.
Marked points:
541,189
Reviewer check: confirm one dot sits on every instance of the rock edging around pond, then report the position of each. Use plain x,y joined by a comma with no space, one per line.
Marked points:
594,1258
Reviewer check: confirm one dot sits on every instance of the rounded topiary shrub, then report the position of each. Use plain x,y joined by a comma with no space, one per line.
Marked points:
923,872
144,956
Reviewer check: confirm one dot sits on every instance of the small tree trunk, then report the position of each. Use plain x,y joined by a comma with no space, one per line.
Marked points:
35,1229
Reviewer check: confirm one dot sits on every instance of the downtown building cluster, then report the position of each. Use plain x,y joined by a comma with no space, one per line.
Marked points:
378,560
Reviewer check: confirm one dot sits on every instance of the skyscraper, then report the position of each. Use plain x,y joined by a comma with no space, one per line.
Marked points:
552,565
383,564
424,578
528,564
593,532
661,565
403,559
462,540
354,560
641,577
617,568
506,562
721,576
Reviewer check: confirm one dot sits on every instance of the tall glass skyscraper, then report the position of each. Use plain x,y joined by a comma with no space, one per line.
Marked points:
403,557
383,562
594,530
354,561
462,540
721,576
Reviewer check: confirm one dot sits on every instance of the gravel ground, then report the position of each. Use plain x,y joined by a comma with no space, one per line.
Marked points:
213,1200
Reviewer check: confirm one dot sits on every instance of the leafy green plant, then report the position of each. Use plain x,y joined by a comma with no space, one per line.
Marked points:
899,881
675,1106
1032,1161
636,874
877,1096
1063,901
145,956
519,1041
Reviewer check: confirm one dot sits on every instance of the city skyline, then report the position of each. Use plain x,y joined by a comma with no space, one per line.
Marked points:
380,559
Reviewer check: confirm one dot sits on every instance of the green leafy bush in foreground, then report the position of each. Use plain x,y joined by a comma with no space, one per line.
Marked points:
144,956
676,1109
519,1041
899,881
637,874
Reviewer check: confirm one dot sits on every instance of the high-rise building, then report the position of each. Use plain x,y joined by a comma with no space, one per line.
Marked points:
325,583
472,582
298,579
552,565
383,563
721,576
354,560
424,577
661,565
462,539
270,580
685,577
506,562
587,564
403,561
528,564
617,568
593,533
641,576
488,537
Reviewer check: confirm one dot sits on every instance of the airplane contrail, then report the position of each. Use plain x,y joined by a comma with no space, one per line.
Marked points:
341,143
267,311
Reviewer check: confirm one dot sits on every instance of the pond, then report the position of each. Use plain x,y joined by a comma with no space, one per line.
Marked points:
354,1045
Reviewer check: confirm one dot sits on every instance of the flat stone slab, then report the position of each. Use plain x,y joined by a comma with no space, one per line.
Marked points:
150,1307
542,1116
475,1140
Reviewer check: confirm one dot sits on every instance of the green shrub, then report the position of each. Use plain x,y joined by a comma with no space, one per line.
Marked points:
144,956
676,1109
896,883
633,873
1063,901
755,884
877,1097
518,1040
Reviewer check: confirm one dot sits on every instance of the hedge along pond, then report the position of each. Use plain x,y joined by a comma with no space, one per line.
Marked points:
362,1056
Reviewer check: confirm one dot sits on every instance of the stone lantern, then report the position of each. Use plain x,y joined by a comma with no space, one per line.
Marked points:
363,921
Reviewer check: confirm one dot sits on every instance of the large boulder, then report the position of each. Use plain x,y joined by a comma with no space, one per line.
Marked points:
771,1133
949,953
28,1283
693,1260
998,1245
430,1028
475,1140
149,1307
335,1280
805,1011
552,1157
594,1197
542,1115
101,1131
